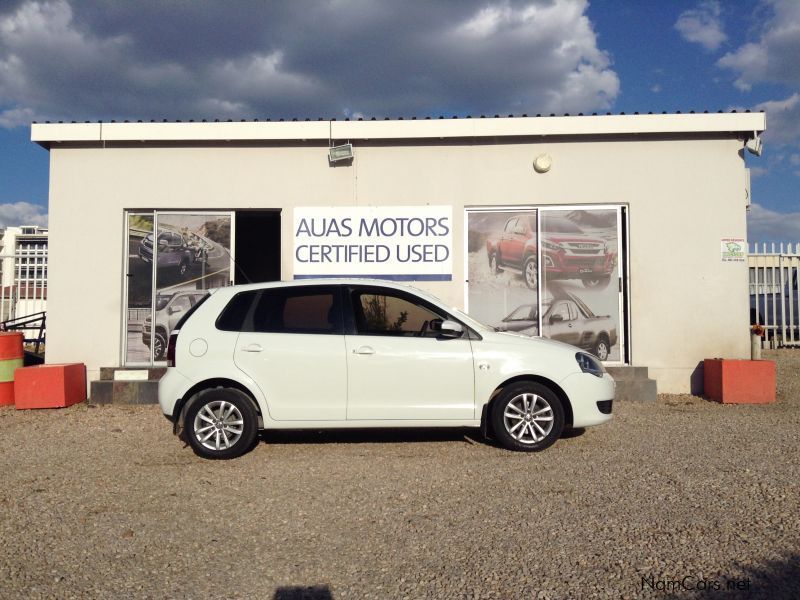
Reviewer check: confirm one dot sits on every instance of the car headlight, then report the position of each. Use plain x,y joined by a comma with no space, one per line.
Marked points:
589,364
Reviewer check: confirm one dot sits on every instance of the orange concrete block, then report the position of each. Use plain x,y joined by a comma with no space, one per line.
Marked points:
50,386
739,381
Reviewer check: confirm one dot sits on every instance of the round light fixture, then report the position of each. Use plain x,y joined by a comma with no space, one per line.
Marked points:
542,163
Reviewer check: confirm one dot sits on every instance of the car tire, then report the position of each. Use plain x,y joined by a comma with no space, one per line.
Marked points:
221,423
527,417
531,272
159,345
600,282
494,264
601,348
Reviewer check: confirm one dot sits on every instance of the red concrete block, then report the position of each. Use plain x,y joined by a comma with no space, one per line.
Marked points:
739,381
50,386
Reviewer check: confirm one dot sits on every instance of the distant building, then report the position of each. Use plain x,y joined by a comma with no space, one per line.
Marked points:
23,265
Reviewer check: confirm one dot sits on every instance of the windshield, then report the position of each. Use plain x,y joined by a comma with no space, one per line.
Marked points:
162,301
526,312
559,225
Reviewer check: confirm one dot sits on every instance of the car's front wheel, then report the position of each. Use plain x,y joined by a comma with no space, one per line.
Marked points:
527,417
531,272
159,345
221,423
494,265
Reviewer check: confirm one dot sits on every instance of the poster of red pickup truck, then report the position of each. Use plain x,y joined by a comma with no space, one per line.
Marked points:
568,257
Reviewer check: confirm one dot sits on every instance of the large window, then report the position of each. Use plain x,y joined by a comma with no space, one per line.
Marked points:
174,258
553,272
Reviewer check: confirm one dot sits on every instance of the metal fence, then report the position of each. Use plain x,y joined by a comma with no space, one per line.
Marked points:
24,282
774,291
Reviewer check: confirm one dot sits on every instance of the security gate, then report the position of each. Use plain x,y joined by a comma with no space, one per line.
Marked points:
774,291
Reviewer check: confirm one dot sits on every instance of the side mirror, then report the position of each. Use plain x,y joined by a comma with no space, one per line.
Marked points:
451,329
556,319
175,309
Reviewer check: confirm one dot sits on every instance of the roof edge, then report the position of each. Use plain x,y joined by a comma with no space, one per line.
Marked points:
47,133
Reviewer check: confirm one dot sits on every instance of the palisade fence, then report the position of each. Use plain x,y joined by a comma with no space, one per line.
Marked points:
23,293
774,291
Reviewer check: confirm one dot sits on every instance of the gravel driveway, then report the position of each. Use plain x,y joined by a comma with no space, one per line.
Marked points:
103,502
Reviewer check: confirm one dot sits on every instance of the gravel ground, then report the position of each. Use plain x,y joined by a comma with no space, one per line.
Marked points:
101,502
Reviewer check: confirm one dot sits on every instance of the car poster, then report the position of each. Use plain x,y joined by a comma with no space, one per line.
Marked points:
568,258
191,253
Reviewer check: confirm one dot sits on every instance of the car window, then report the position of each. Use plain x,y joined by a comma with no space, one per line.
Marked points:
234,314
561,309
385,313
181,304
573,311
302,310
510,225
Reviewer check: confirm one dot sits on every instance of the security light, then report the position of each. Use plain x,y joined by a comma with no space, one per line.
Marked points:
754,144
343,152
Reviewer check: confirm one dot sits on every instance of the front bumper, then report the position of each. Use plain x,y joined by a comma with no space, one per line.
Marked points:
585,391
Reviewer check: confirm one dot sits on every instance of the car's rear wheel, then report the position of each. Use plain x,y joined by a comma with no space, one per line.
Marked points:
527,417
601,348
221,423
599,281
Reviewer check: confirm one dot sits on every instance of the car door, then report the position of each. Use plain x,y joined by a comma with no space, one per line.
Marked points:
561,323
292,345
398,366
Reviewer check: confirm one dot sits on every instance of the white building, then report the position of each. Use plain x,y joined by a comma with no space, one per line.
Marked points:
636,219
23,260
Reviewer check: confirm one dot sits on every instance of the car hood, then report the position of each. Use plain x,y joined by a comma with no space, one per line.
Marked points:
558,238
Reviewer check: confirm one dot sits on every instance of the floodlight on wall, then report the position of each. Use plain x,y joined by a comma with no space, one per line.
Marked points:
339,153
542,163
754,144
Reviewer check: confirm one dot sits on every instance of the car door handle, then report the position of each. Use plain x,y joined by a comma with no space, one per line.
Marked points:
363,350
252,348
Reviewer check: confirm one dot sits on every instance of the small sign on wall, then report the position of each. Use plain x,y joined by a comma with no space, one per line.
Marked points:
733,249
407,243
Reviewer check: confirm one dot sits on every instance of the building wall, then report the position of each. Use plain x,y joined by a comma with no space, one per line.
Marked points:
683,195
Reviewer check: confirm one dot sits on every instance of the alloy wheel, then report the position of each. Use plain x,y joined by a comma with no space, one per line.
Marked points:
528,418
218,425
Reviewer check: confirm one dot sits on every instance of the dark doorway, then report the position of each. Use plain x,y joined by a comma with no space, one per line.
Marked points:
258,246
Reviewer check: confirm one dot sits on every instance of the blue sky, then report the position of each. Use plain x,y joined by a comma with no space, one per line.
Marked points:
151,59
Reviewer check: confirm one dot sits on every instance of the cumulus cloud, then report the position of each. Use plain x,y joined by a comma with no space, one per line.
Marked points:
64,59
14,214
783,119
702,25
768,225
773,57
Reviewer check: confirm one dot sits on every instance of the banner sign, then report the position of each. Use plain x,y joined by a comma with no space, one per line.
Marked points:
405,243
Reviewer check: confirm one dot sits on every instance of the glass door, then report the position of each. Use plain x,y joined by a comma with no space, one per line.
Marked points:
174,258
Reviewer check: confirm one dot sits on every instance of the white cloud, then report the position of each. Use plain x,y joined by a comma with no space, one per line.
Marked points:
14,214
773,58
768,225
91,59
702,25
783,119
758,172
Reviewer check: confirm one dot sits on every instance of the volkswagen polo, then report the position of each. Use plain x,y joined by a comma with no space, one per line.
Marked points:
318,354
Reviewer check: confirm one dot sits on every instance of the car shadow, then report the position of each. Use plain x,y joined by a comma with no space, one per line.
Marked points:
372,436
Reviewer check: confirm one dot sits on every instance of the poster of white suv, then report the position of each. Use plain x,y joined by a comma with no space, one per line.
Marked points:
317,354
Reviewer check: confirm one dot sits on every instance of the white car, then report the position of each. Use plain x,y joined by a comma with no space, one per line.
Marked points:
316,354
